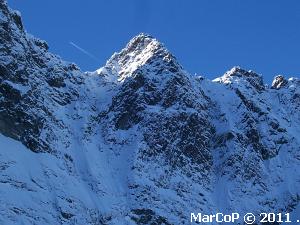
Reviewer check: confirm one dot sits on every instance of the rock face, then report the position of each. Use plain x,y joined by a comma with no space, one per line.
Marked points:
139,141
278,82
31,80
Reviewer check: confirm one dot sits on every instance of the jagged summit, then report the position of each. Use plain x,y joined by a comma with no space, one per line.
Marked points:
240,76
142,51
279,82
237,71
140,42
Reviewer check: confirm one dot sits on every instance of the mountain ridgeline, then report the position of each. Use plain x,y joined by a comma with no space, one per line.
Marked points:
140,140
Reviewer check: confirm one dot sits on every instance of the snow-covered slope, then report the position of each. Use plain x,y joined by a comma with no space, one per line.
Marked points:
140,140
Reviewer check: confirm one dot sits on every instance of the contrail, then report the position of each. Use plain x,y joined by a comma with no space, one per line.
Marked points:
84,51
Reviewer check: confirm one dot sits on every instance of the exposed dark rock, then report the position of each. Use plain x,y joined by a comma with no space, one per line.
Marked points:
57,82
182,139
248,103
17,19
41,43
147,216
66,215
253,78
279,82
24,73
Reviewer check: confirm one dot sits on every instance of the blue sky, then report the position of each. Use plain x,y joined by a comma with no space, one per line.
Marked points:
207,36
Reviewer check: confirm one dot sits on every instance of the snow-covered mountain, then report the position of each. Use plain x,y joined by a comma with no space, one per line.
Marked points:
140,140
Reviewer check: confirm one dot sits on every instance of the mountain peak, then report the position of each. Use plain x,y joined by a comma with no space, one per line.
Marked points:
238,75
279,81
237,71
141,50
140,41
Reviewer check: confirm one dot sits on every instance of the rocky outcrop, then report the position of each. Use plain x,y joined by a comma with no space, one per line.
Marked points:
279,82
236,74
30,79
